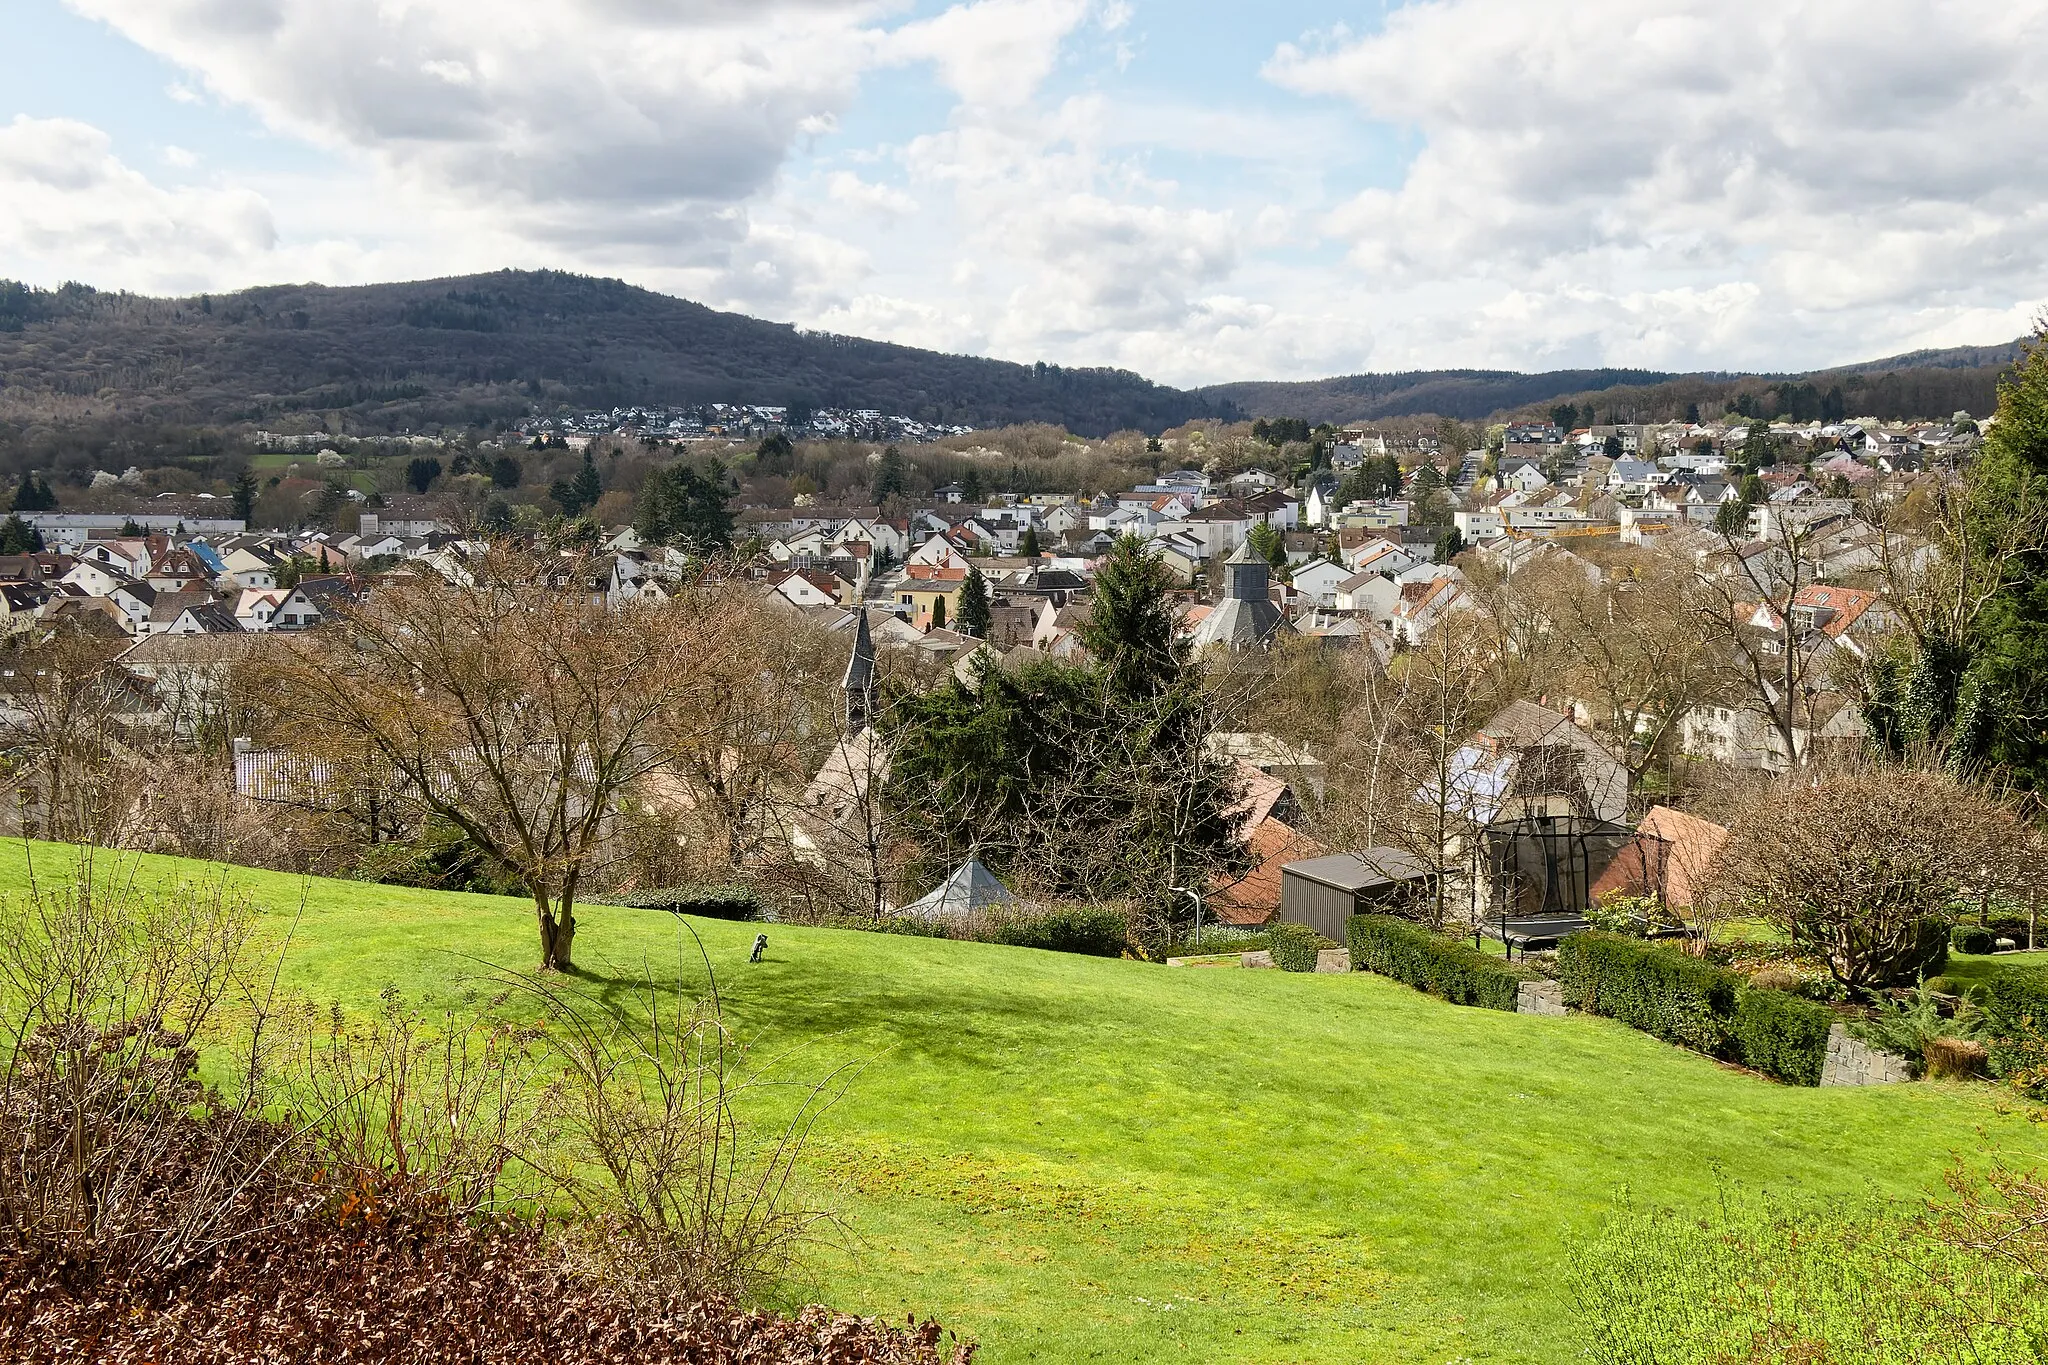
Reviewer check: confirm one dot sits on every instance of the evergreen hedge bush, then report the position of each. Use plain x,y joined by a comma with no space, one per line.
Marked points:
1782,1035
1089,930
1972,938
2016,1017
1294,947
1446,967
1659,990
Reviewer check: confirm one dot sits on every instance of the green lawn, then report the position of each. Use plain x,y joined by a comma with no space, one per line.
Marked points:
1081,1160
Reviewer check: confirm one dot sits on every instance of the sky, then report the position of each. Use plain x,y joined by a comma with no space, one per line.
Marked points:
1199,190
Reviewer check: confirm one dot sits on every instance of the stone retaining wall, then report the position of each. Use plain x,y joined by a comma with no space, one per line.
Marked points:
1540,997
1852,1062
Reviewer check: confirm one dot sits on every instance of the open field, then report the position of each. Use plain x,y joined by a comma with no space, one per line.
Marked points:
1081,1160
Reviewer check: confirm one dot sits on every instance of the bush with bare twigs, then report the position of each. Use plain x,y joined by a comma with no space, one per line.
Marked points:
1864,869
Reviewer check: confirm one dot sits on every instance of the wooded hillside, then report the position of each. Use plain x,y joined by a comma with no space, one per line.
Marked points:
483,350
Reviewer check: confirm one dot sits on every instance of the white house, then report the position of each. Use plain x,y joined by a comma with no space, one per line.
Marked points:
1374,594
1317,580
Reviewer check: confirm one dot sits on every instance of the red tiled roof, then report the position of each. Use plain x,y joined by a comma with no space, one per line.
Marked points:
1255,897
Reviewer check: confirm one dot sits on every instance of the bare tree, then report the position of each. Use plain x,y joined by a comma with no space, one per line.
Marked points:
1628,646
517,706
1852,865
1745,603
1394,776
62,710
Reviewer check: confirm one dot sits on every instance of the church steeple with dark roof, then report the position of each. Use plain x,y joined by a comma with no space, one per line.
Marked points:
859,684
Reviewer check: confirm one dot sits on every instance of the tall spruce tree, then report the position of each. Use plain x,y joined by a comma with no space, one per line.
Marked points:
975,618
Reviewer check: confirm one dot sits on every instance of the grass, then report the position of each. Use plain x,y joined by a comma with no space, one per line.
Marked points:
1086,1160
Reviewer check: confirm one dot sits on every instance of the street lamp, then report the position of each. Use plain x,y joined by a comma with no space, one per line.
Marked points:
1196,897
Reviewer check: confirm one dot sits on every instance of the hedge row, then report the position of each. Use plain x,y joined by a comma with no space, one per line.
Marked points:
1294,947
1659,990
707,902
1089,930
2016,1009
1446,967
1782,1034
1692,1003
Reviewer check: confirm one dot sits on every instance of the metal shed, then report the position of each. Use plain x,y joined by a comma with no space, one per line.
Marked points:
1324,893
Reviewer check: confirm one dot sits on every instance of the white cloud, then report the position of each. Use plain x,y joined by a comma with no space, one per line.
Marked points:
993,52
1675,197
597,103
849,189
70,208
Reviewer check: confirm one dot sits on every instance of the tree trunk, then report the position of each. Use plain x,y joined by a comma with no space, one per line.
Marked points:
557,937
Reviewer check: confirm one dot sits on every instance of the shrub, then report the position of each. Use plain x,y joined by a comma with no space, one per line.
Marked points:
1776,978
1972,938
731,902
1294,947
1781,1034
1090,930
1910,1026
1430,962
1659,990
2016,1018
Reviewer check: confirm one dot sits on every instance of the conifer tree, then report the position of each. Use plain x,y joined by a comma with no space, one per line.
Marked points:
974,613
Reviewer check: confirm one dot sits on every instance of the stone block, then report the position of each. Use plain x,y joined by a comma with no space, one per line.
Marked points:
1540,997
1853,1062
1333,960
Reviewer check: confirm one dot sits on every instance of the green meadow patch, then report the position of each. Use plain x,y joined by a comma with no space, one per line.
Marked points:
1079,1159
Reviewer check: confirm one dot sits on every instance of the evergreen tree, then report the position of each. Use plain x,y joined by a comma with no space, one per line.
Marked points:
1088,781
891,478
421,472
1028,544
1450,545
33,495
1271,544
1129,630
578,495
679,506
975,619
2010,668
244,494
505,472
18,537
1759,450
587,486
971,491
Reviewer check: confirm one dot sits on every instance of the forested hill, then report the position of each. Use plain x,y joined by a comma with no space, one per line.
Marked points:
1932,384
488,348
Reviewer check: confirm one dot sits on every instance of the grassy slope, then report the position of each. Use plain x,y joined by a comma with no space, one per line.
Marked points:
1088,1160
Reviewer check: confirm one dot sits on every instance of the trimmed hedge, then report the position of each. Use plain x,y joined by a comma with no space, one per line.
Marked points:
1782,1035
1089,930
2016,1009
706,902
1659,990
1446,967
1972,938
1294,947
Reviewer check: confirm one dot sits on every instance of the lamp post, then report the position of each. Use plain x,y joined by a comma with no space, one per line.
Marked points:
1196,897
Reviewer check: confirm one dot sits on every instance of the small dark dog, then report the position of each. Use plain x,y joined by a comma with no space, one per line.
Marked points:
760,947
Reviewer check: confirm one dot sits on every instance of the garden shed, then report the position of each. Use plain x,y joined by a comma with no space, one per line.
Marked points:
1324,893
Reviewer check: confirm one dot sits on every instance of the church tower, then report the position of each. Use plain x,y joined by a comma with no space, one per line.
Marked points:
860,678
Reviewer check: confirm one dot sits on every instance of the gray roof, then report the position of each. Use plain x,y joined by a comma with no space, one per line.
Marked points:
860,669
1239,624
1356,871
971,888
